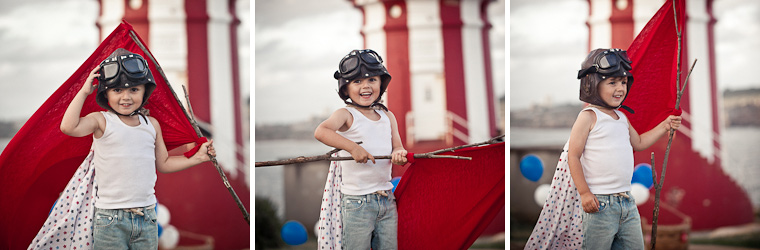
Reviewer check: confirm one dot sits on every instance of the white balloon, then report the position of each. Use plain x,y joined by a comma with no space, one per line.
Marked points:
640,193
169,238
541,193
316,228
163,215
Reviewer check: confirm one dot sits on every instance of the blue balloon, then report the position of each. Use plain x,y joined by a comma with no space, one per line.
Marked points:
160,230
531,167
642,174
293,233
395,181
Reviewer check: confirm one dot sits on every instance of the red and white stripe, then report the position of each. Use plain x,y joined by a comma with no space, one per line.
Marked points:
437,53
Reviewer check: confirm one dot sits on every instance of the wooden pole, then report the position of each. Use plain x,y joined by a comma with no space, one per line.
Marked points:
671,133
328,156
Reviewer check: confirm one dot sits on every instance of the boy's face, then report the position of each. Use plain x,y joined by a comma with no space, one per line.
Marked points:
612,90
364,91
125,100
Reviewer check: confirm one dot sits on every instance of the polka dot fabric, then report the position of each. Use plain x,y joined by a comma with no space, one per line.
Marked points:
69,225
330,225
559,225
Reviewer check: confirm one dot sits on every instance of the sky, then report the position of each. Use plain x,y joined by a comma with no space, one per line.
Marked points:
43,42
298,43
546,53
298,49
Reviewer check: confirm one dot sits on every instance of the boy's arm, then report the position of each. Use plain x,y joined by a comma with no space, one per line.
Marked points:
169,164
72,124
644,141
577,143
326,134
398,155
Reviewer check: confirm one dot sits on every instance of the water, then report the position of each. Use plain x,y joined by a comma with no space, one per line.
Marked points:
269,181
741,155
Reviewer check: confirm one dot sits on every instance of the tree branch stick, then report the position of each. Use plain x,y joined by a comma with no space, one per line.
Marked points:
679,91
328,156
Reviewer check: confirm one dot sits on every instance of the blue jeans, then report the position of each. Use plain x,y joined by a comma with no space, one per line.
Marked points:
369,220
119,229
616,225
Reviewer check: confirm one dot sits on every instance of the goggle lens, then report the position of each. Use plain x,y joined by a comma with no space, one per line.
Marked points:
349,64
608,61
133,65
110,70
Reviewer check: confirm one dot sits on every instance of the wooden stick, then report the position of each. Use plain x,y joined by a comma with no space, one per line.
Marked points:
679,90
193,122
328,156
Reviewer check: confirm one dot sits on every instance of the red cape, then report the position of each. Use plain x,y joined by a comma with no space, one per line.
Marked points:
40,159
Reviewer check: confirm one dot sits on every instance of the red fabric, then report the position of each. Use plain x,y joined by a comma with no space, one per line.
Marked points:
653,52
447,203
195,149
40,159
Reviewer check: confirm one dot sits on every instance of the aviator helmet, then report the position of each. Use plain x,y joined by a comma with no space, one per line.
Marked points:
123,69
361,64
600,64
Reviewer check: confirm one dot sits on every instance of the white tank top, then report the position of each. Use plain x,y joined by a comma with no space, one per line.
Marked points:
365,178
607,159
125,164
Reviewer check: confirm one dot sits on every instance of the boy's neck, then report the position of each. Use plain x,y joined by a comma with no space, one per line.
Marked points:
601,108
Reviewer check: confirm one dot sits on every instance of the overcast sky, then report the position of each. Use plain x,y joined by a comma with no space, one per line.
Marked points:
42,42
298,43
546,53
298,49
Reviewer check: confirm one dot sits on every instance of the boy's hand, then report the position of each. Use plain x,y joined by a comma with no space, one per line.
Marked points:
361,155
88,87
206,149
398,157
673,122
589,202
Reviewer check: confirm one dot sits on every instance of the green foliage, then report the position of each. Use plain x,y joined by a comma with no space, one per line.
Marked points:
267,225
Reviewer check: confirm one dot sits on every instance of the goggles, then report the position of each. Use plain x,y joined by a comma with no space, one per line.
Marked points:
133,66
607,63
349,67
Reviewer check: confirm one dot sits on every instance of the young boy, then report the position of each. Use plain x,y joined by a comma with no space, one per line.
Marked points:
128,150
600,152
368,206
592,207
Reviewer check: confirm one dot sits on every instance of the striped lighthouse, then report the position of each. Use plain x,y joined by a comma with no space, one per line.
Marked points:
696,183
438,54
196,44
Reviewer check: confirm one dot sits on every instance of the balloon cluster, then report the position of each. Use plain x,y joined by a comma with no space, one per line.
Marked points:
641,182
168,236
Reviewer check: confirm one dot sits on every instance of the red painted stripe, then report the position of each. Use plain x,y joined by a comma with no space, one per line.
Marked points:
453,61
138,18
487,68
237,104
197,58
621,22
397,62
